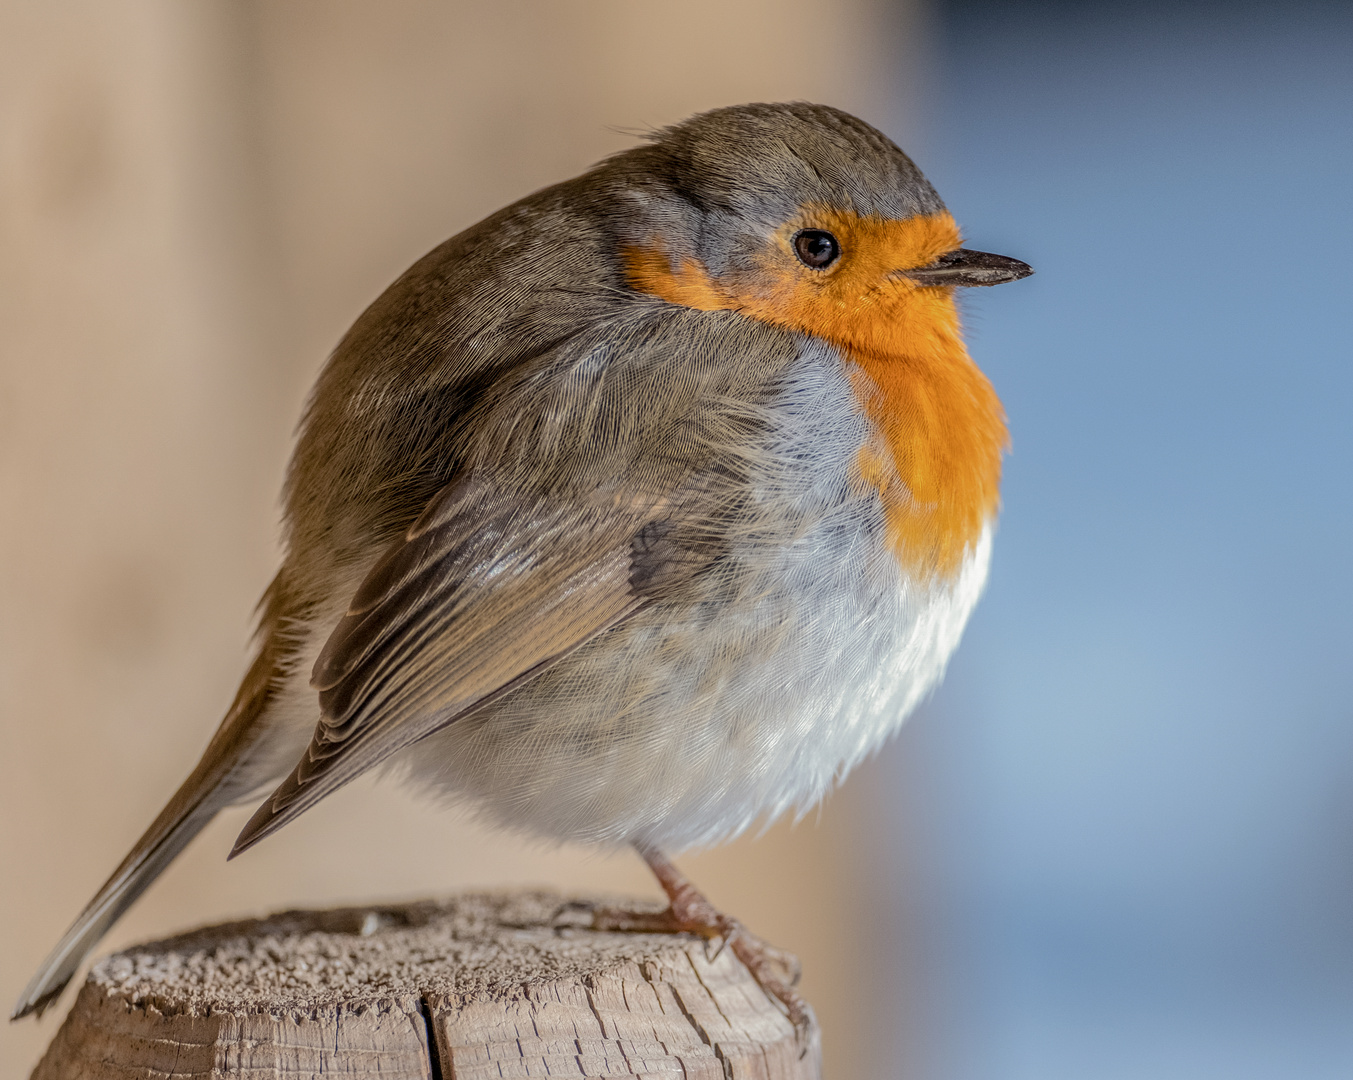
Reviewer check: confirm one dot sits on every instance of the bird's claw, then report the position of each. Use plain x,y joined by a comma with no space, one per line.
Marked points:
776,971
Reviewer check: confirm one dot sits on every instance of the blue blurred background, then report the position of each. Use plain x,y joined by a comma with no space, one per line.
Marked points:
1134,794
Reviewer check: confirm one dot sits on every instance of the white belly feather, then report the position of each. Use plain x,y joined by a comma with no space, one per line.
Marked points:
684,730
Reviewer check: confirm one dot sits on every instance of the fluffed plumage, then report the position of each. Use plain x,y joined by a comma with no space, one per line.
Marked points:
608,561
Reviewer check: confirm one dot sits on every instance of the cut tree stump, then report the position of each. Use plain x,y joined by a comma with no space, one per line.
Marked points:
474,987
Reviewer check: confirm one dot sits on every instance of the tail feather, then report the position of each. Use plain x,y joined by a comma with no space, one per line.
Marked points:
214,784
155,850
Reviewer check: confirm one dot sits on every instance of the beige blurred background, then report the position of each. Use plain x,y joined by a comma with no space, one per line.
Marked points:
195,202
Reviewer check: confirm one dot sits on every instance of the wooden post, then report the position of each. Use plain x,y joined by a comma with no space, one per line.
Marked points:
478,986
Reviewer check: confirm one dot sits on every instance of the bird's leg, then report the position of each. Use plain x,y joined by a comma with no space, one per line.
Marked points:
689,912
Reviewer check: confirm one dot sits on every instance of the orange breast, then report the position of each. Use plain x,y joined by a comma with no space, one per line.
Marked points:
941,430
943,433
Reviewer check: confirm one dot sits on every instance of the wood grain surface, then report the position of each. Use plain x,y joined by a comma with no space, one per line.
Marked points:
478,986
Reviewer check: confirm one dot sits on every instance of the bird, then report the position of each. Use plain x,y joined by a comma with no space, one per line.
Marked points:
633,515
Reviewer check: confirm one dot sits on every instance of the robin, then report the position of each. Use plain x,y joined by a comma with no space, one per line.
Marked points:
636,513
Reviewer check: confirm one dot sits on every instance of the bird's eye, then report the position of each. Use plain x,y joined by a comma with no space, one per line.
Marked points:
816,248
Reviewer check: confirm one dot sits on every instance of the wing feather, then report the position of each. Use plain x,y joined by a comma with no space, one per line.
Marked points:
483,592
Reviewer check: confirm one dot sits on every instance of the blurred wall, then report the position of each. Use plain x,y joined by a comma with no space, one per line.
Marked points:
195,202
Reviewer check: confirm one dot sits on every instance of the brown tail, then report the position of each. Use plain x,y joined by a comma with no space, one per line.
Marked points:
207,790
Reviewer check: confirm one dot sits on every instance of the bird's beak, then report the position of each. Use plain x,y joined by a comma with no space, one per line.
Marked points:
964,267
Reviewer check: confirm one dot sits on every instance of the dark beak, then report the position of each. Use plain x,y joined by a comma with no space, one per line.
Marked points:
964,267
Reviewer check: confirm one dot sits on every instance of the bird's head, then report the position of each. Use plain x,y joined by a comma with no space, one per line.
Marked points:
802,216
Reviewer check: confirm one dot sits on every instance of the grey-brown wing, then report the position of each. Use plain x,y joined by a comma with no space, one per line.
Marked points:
483,592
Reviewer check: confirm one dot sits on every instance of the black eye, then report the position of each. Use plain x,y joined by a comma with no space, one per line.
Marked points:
816,248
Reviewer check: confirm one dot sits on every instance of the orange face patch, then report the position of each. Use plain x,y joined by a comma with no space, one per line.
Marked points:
938,462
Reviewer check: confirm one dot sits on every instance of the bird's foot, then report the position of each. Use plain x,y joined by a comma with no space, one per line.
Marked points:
689,912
